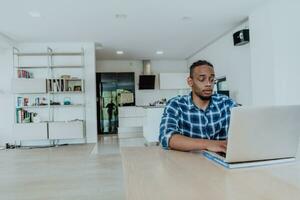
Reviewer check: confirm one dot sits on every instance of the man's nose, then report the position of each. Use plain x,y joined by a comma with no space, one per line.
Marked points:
209,83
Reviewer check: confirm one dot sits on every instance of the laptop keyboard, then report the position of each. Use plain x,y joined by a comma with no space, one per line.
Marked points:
222,154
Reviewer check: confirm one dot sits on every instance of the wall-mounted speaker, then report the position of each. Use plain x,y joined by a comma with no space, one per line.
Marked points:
241,37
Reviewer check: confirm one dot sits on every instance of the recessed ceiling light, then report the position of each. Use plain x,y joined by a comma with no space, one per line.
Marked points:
186,18
159,52
121,16
34,14
98,46
120,52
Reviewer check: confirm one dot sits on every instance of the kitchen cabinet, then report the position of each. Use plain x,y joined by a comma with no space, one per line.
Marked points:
66,130
173,81
151,123
30,131
130,121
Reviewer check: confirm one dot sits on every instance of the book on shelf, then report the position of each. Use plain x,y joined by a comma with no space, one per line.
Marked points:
22,101
32,101
63,85
55,85
23,116
24,74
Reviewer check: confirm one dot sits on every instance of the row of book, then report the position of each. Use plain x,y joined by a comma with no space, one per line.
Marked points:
57,85
24,74
63,85
25,101
22,101
23,116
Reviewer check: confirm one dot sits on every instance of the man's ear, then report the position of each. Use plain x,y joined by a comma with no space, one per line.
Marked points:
189,81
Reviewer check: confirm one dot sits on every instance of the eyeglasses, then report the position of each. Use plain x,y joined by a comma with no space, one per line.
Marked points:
210,80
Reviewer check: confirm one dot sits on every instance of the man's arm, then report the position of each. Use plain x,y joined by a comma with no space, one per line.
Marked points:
183,143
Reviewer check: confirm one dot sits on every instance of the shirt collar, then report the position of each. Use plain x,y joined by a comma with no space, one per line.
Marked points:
191,104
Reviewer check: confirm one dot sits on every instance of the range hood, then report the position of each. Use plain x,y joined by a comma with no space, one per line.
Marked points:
146,67
147,80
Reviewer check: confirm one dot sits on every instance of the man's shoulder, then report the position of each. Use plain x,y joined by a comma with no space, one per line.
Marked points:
179,100
220,99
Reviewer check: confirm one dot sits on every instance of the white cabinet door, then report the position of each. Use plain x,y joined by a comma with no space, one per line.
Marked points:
173,81
30,131
131,116
130,121
131,111
151,124
29,85
66,130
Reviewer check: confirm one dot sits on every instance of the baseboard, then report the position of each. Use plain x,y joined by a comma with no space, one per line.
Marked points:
130,135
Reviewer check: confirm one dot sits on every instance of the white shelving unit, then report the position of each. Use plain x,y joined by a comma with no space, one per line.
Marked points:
62,111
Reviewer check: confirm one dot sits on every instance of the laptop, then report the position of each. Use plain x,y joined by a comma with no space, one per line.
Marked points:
260,136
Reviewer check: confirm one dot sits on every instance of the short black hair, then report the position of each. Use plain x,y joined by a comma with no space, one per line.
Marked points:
199,63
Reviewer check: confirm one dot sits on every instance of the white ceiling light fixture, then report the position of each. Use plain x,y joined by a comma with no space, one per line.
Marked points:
120,52
159,52
121,16
34,14
98,46
186,18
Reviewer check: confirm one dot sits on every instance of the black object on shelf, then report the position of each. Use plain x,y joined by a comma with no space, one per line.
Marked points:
224,92
241,37
147,82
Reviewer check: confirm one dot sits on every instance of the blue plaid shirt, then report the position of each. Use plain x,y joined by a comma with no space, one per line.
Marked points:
182,116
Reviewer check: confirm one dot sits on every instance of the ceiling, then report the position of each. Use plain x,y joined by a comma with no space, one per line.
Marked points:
178,28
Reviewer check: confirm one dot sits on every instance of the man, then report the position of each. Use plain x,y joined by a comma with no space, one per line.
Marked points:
110,108
200,120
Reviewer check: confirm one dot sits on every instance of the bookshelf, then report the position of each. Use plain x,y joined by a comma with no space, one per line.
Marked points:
49,95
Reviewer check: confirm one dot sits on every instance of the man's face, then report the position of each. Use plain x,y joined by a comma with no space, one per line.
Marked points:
202,81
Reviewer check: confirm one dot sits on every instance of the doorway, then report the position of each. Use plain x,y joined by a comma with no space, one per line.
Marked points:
111,90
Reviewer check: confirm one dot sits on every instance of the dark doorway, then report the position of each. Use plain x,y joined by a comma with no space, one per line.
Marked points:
113,90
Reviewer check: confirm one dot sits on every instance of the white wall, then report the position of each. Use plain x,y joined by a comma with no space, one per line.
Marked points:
6,101
5,43
275,47
144,97
230,61
89,76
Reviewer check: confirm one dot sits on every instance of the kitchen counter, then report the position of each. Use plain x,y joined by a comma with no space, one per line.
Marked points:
147,106
140,119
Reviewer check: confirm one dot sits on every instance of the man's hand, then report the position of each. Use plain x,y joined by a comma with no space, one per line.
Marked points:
216,145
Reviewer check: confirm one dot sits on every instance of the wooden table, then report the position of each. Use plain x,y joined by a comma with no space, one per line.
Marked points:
151,173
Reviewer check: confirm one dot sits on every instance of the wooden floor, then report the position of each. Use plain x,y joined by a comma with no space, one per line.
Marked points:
68,172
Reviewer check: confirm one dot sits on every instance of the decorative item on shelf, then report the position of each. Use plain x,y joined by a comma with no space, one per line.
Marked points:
70,89
26,101
43,102
74,78
19,101
35,118
65,76
37,101
77,88
67,101
54,103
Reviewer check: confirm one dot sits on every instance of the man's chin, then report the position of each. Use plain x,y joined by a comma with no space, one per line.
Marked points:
204,98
